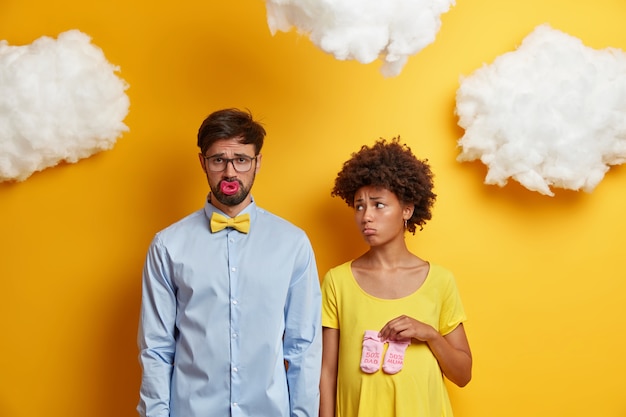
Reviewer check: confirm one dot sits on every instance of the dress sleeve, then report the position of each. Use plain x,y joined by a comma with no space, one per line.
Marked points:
330,316
452,311
156,338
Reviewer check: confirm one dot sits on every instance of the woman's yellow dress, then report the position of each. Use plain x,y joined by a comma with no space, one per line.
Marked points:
418,390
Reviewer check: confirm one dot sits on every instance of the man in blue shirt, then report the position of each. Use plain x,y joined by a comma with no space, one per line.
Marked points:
230,313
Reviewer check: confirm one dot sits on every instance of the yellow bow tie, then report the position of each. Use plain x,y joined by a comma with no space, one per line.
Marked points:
219,222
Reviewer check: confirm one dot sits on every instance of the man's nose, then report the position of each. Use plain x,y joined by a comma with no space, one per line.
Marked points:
230,170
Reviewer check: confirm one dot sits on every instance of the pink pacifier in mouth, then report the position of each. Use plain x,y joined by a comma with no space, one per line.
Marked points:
229,187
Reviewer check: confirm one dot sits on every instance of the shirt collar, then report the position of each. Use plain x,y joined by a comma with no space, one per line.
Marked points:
209,209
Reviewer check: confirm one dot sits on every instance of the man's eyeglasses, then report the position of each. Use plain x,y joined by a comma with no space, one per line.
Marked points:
219,164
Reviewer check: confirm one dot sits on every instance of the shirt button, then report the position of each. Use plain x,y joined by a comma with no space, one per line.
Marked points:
233,269
235,302
235,404
235,369
234,335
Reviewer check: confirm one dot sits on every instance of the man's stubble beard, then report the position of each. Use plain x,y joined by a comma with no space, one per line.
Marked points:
235,199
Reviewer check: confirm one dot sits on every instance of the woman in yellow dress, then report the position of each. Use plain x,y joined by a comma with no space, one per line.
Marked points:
392,322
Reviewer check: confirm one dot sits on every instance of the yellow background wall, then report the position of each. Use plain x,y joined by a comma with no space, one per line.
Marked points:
542,277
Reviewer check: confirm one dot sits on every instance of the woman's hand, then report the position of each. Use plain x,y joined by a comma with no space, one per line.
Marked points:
405,327
452,350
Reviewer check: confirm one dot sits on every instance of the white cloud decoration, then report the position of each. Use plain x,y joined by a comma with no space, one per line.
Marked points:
550,114
363,30
60,100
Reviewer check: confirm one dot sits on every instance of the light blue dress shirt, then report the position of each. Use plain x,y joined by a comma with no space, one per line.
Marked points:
222,312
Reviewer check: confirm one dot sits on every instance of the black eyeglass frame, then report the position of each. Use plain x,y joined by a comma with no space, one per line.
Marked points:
227,161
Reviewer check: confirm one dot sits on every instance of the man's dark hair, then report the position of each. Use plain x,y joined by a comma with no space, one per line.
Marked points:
231,123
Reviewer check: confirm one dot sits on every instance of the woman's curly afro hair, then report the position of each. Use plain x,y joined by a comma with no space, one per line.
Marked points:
390,165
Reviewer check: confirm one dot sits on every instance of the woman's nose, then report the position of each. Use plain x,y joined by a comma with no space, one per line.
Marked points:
367,214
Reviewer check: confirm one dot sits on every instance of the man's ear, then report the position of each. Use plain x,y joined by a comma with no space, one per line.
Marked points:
258,163
202,162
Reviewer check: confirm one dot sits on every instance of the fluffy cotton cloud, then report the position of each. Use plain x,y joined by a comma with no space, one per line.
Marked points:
550,114
363,30
60,100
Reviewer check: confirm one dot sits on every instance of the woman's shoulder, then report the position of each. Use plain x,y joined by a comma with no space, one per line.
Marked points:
441,278
340,269
339,272
439,270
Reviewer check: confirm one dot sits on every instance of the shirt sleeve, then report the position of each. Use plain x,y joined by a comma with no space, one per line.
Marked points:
156,338
303,339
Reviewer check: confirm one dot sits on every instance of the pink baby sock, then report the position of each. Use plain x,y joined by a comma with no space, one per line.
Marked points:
372,352
394,358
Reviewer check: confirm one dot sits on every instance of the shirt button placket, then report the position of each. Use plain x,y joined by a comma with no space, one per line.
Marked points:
234,325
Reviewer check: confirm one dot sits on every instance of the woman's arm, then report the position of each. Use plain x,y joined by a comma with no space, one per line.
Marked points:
452,350
454,356
328,381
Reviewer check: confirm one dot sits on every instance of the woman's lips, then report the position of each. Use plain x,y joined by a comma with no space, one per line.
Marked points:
368,231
